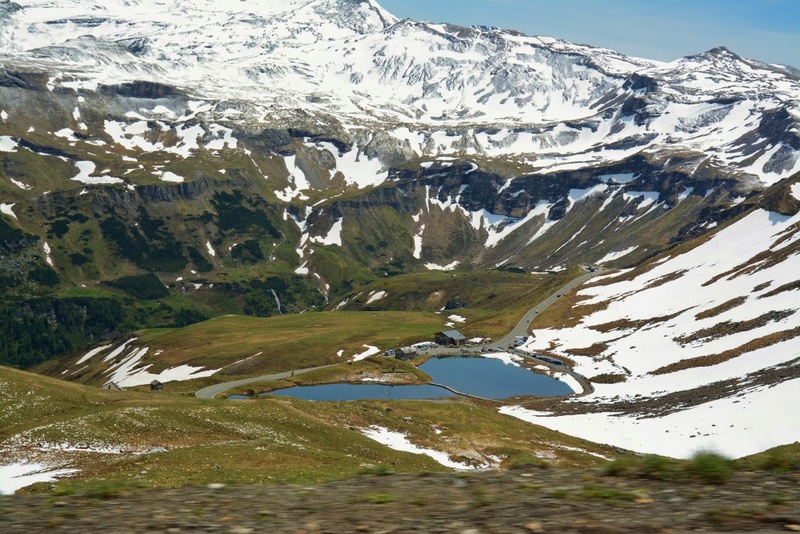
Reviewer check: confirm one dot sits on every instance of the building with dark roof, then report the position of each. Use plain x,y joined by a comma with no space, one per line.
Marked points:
450,337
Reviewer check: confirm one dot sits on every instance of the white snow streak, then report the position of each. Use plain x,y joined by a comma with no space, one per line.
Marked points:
399,442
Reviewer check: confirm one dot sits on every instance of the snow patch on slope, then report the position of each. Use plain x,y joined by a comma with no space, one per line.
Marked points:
642,327
399,442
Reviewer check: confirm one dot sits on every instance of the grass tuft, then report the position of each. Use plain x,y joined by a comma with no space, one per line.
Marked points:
705,466
379,498
711,467
376,470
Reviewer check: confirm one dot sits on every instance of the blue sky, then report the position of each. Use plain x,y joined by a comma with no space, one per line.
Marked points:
767,30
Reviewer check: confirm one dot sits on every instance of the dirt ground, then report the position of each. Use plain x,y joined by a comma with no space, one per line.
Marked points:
522,500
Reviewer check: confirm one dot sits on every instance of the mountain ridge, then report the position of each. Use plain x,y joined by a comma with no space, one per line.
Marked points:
470,147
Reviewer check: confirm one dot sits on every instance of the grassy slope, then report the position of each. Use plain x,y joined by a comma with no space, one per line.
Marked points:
255,441
495,302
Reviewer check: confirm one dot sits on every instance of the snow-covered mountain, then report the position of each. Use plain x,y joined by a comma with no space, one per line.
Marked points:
435,89
526,150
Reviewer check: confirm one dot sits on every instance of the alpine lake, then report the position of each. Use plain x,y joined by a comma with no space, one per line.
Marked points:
486,378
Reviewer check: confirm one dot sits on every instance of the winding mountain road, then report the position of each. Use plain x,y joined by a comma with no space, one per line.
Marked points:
212,391
521,329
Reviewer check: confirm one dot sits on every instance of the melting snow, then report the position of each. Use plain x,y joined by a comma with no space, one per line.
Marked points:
128,372
95,351
617,178
6,208
650,197
334,236
399,442
85,170
735,426
356,167
371,351
435,267
168,176
66,133
21,185
376,296
505,357
17,476
7,144
47,258
417,253
796,190
611,256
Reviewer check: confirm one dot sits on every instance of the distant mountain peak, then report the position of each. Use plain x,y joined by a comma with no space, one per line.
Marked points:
360,66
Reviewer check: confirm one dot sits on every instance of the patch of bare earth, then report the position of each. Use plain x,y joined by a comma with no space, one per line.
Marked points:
715,359
722,308
671,277
595,350
567,313
522,500
628,324
727,328
609,378
791,286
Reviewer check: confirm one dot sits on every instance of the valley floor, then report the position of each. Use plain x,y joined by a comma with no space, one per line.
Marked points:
519,501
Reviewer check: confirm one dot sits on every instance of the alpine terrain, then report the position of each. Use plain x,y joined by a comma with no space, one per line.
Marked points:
186,184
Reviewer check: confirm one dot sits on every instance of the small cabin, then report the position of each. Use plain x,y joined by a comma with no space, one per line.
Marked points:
155,385
111,386
405,353
450,337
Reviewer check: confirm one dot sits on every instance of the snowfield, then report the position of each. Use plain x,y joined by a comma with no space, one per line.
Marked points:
721,314
737,426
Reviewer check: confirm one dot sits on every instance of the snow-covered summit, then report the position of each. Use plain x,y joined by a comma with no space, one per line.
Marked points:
353,52
551,104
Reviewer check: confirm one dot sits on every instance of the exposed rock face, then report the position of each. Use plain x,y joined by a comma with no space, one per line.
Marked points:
139,89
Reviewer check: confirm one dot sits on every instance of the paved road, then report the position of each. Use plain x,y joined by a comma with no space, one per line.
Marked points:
523,329
520,330
212,391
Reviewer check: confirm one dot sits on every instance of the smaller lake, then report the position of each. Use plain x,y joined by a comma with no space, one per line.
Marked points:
482,377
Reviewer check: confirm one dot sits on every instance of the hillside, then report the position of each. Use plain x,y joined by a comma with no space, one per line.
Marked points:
695,349
177,162
163,439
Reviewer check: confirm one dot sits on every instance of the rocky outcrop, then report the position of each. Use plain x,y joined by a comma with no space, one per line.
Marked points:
140,89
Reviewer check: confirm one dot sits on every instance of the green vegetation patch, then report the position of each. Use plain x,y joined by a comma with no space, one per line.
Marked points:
705,466
234,214
143,286
154,250
39,329
286,342
13,239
